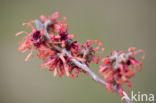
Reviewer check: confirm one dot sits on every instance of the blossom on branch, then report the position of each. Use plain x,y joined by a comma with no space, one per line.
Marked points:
118,68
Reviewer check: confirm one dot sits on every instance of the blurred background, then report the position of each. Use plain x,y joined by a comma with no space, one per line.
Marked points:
118,24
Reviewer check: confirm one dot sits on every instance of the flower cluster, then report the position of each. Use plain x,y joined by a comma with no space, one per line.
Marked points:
49,37
53,42
118,68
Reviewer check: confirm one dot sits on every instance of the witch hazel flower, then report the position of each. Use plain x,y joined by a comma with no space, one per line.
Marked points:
118,68
56,63
63,35
32,39
89,53
50,23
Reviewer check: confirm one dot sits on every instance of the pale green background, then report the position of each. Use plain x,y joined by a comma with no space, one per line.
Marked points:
118,24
